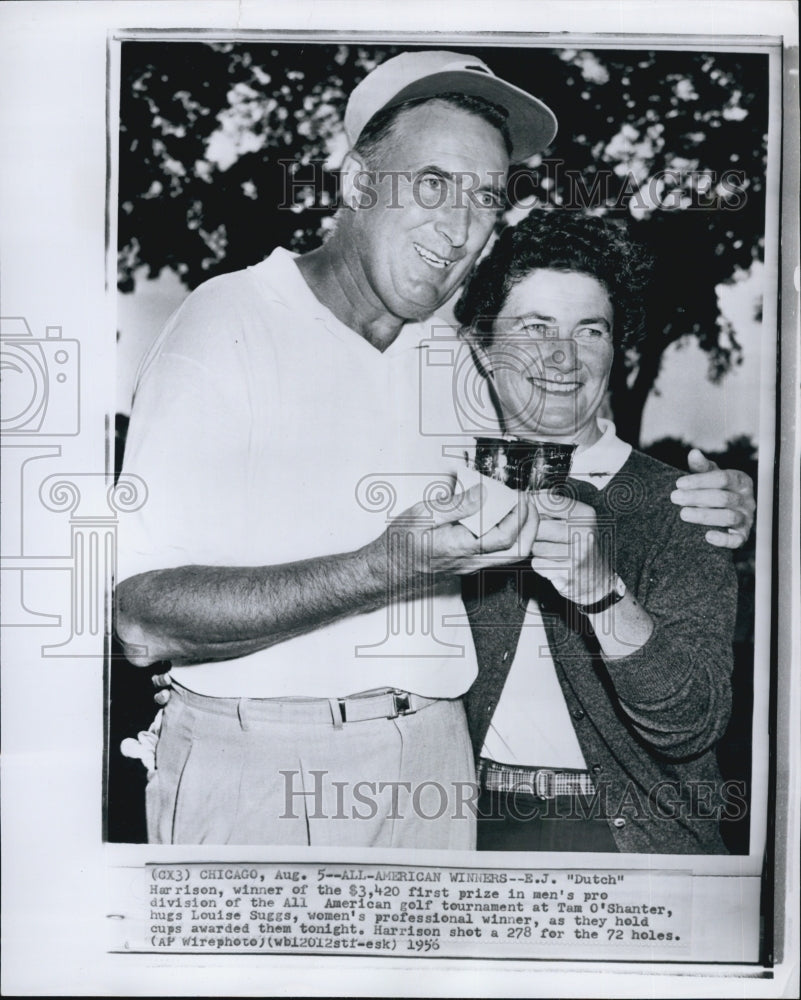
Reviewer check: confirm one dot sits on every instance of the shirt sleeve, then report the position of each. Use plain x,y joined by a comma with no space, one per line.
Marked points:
676,689
187,441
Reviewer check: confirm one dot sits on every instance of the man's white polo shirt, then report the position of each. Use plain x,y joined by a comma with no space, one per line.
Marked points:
268,432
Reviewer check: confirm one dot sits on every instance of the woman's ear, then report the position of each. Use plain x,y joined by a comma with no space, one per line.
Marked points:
478,350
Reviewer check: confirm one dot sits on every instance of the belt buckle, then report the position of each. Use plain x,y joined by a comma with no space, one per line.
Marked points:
401,704
544,784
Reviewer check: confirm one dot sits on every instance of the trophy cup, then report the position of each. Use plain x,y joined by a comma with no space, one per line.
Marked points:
508,466
524,465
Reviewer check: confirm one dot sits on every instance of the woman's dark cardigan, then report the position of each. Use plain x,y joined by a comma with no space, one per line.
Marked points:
647,723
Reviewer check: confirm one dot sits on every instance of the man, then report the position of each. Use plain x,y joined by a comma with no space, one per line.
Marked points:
257,568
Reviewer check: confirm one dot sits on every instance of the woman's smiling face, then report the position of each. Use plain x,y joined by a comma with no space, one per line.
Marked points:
551,355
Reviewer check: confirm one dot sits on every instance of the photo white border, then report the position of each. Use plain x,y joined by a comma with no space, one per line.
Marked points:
771,49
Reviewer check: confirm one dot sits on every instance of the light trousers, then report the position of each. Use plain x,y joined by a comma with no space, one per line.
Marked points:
249,771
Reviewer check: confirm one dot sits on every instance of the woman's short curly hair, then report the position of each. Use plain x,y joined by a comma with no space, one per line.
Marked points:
560,240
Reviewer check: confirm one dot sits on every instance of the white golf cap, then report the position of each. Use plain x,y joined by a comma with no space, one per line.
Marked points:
531,124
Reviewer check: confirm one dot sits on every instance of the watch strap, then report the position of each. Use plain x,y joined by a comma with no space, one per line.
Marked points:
617,593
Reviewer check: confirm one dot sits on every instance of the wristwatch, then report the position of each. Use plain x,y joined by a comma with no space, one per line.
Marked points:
617,593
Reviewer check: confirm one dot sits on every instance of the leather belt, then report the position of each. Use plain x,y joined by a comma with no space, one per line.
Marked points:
541,782
383,705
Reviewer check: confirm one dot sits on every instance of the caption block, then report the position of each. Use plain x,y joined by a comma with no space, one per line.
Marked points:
375,910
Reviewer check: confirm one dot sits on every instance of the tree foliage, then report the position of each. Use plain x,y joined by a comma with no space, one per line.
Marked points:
221,147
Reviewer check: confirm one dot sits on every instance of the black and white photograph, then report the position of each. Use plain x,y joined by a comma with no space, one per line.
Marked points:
662,207
403,515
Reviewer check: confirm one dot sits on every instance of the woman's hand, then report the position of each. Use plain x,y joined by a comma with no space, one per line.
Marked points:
569,550
575,555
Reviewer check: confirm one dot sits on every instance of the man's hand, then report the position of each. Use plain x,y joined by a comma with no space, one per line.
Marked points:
427,541
723,498
568,552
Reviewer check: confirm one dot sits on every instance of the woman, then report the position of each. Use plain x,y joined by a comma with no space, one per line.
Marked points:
604,664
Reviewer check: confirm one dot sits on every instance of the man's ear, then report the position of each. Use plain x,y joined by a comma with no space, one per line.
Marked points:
353,175
478,350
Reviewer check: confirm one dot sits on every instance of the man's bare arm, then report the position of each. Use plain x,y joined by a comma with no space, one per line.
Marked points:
195,613
201,613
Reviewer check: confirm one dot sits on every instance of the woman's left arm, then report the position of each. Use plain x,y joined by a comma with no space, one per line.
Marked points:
666,644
